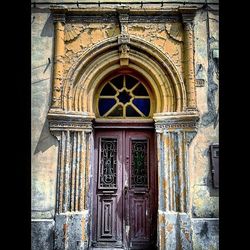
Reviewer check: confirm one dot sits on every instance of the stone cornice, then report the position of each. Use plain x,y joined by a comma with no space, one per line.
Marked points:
76,121
150,11
187,121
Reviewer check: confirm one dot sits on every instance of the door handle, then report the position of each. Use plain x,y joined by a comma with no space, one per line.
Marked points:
126,190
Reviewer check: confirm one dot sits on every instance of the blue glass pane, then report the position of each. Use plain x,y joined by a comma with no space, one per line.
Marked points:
143,105
118,111
140,90
131,112
130,81
124,97
108,90
105,105
118,81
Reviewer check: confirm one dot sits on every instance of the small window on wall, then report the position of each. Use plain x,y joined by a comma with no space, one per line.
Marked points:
124,96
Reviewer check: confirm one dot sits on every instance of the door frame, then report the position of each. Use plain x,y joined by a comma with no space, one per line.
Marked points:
122,124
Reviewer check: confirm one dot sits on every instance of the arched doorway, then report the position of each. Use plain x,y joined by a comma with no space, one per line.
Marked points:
75,124
124,204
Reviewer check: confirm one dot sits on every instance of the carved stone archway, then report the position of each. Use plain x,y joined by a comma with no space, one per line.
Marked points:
72,113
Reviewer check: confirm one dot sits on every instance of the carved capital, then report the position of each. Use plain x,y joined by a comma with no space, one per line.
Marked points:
59,18
186,121
188,18
61,121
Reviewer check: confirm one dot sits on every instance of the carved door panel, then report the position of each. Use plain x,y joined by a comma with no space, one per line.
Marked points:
124,190
139,188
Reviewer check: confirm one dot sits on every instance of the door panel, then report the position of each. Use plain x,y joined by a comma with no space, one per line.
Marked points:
107,203
124,189
141,168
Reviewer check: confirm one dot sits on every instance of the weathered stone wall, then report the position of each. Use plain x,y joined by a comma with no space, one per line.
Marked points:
43,144
167,37
204,197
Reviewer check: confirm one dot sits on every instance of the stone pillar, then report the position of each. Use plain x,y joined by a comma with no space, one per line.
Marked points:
174,134
189,74
59,22
74,133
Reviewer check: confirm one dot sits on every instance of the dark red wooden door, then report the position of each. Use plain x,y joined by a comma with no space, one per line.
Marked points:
124,205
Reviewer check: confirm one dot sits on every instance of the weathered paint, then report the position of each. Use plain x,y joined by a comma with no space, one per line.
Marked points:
173,145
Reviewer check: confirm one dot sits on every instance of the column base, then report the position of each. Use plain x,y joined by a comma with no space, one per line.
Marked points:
174,231
71,230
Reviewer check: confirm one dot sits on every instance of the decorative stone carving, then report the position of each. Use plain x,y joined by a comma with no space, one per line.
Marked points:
175,132
182,120
123,22
72,32
124,54
66,121
174,31
74,133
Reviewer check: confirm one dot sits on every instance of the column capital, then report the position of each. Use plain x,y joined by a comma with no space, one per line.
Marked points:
186,121
73,121
188,18
59,18
188,14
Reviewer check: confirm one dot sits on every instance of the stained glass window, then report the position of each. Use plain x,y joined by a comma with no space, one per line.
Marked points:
124,96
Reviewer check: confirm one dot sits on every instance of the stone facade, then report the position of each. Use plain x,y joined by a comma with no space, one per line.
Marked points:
174,46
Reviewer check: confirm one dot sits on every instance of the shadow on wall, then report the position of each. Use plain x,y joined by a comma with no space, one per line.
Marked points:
46,140
48,28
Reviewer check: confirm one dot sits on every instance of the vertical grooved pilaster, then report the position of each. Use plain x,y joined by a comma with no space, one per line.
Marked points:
160,157
76,203
73,174
67,173
82,172
62,170
181,158
87,164
166,184
175,201
186,173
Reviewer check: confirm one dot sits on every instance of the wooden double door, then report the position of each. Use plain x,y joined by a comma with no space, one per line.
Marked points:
125,198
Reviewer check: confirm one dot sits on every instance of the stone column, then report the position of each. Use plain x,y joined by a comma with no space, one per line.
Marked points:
59,22
189,74
74,134
174,134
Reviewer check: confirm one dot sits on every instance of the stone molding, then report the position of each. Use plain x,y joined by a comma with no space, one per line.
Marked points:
144,57
176,120
79,121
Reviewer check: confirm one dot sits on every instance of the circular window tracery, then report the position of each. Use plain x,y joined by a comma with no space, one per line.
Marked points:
124,96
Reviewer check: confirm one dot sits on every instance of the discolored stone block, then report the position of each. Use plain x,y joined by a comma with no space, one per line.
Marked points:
42,234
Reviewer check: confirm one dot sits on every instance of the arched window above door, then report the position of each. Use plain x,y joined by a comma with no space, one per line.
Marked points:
124,96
